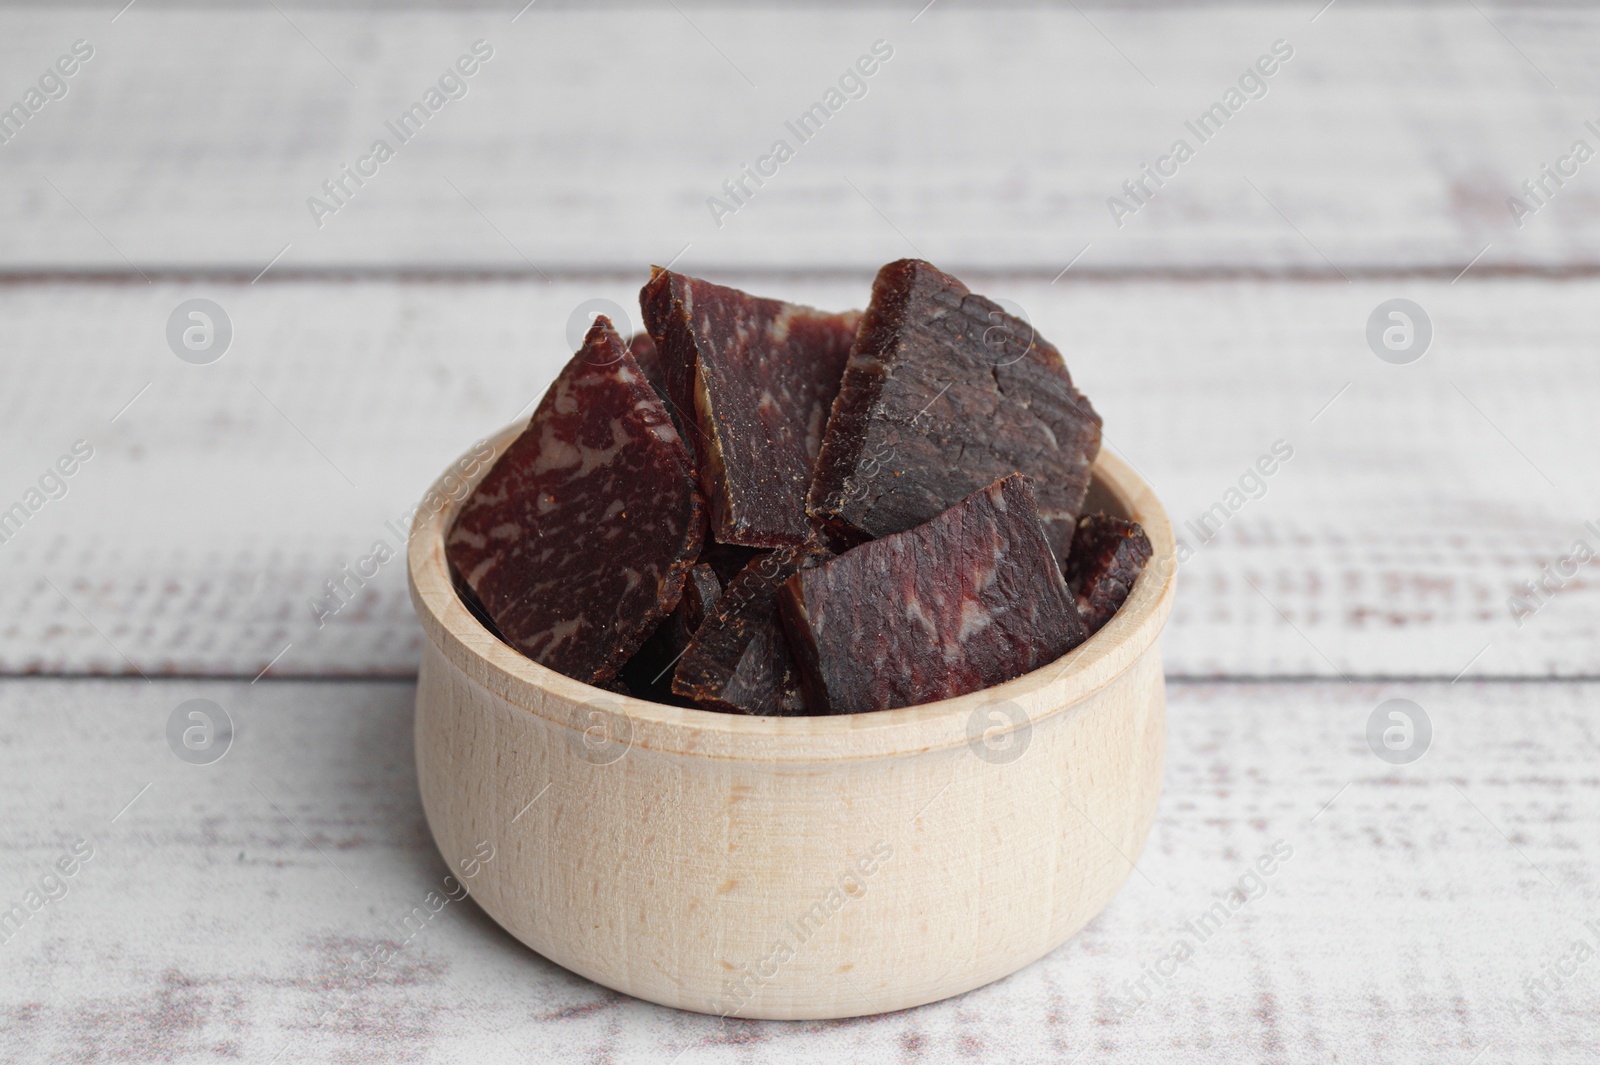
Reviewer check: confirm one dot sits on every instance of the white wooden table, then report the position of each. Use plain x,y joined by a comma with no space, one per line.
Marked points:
225,907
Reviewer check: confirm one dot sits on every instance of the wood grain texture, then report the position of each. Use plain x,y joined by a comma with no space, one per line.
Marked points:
220,503
273,907
1390,141
233,904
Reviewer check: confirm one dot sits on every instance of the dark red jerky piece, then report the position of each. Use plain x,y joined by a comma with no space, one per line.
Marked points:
1106,559
648,357
759,377
700,595
643,350
739,661
660,307
944,393
968,600
578,540
649,673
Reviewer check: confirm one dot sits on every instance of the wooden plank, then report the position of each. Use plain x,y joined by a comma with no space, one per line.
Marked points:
1390,141
218,505
229,910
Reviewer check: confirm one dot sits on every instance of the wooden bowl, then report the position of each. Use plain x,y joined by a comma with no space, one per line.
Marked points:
791,867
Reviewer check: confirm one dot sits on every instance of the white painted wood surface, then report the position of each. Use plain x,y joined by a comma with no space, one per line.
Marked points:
219,503
1391,139
231,905
228,907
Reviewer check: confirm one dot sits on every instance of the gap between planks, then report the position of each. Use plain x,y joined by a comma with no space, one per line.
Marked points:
228,274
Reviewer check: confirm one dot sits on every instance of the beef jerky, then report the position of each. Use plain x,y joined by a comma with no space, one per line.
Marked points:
643,350
739,661
1106,558
970,599
578,540
758,376
649,673
944,393
700,596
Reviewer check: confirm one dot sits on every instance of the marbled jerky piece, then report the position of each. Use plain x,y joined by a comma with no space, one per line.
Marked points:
645,353
945,392
739,661
968,600
578,540
643,350
649,673
1106,559
700,595
759,377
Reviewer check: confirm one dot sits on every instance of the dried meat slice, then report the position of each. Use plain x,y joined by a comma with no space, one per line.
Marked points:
968,600
649,673
944,393
578,540
643,350
1107,557
739,661
758,377
700,595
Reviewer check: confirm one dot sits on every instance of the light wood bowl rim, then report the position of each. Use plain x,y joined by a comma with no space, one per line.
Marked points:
536,689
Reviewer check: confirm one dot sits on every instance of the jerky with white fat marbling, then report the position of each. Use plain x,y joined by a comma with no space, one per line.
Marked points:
578,540
758,377
1106,558
970,599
